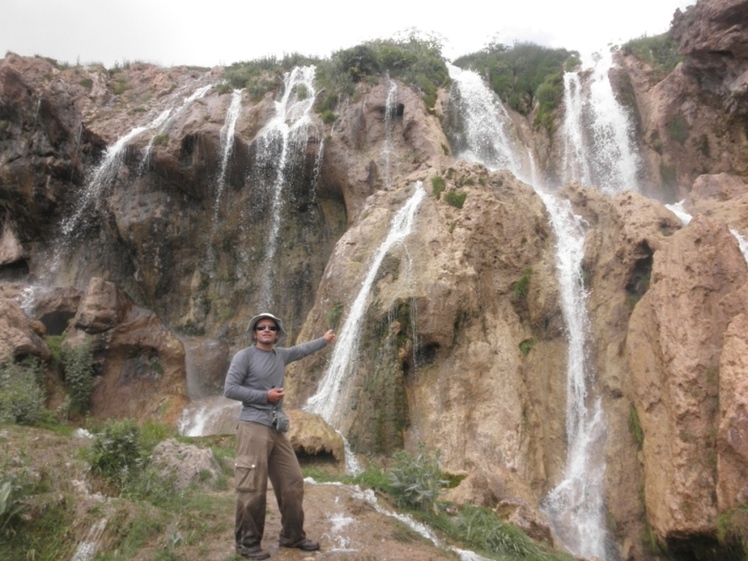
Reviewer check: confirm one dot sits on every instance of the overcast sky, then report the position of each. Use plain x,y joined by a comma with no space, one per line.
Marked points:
220,32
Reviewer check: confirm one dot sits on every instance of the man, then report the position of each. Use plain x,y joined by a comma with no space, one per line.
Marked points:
255,378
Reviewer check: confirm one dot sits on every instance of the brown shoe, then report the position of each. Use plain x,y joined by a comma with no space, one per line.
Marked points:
303,545
254,552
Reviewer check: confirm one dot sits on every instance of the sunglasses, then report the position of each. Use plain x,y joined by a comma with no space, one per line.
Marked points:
264,327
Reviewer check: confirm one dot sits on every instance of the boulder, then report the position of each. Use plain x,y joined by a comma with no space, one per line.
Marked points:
311,436
20,336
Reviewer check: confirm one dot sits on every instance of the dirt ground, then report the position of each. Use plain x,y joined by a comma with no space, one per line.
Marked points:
349,525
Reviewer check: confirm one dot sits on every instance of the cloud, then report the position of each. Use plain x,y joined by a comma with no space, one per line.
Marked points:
171,32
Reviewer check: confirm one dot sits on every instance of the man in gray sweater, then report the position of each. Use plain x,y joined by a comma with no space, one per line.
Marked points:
255,378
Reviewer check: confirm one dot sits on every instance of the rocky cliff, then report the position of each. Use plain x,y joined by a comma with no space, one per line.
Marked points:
138,216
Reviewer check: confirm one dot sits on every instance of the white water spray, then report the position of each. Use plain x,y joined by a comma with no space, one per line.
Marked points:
227,145
105,175
576,506
284,136
679,211
742,242
487,135
389,111
598,135
332,391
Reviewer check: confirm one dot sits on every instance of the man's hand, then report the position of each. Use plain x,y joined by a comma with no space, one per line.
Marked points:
329,337
275,395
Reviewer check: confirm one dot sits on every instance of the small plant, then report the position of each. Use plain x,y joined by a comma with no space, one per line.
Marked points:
328,117
526,346
521,288
9,505
21,395
482,529
438,184
77,364
161,139
455,199
635,428
678,129
222,88
415,481
334,314
116,453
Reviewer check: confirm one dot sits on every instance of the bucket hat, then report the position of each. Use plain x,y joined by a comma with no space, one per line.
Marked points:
258,317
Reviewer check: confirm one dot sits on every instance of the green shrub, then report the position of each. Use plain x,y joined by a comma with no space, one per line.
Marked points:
438,184
334,314
415,481
22,398
659,51
116,453
483,530
455,199
732,531
526,346
161,139
521,288
264,74
328,117
415,60
10,505
678,129
77,365
523,73
635,428
222,88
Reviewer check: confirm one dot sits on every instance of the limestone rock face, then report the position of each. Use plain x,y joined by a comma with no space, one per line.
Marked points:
139,362
19,335
674,343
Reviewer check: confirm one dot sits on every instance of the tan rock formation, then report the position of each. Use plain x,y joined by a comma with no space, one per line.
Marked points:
139,362
674,340
19,335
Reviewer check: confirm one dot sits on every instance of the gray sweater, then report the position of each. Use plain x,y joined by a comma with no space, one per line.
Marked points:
253,372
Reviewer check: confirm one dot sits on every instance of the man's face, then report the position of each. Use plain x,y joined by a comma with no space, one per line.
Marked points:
266,332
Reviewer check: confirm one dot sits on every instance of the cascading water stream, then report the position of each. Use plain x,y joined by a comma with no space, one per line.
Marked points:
486,130
575,163
166,124
227,147
575,507
105,175
332,390
599,147
389,110
283,137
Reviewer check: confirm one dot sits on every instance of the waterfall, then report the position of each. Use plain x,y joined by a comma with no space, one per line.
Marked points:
168,121
283,137
227,144
331,392
575,163
486,130
105,174
389,111
576,506
598,135
227,147
742,242
678,210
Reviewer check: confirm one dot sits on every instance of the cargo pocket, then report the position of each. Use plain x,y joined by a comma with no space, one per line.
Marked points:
246,473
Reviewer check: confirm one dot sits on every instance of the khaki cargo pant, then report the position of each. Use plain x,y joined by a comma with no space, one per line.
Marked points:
261,453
